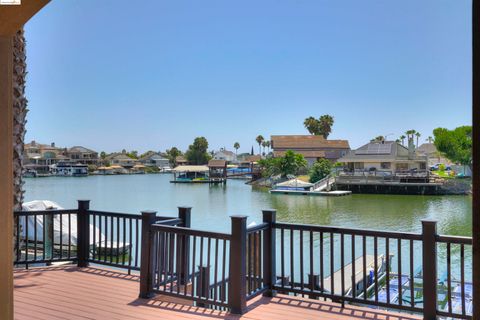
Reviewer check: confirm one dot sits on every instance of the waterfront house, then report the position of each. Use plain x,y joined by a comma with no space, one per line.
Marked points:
154,159
121,159
312,147
181,160
186,174
387,156
434,156
82,155
39,157
226,155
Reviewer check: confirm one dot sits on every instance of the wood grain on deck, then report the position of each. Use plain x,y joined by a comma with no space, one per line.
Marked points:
91,293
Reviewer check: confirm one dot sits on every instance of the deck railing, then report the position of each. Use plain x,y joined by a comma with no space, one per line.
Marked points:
423,272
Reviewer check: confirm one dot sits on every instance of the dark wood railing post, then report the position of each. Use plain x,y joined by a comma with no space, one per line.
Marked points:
183,243
269,253
237,293
203,284
83,233
314,284
429,261
146,261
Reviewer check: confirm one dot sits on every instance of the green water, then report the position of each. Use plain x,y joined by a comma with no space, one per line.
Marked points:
212,205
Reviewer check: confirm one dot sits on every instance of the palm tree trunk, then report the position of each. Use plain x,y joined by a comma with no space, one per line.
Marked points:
19,118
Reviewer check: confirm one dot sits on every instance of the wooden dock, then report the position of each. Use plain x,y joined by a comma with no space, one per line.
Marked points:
336,193
347,271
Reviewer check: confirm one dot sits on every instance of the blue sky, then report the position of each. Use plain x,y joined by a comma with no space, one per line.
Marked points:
153,74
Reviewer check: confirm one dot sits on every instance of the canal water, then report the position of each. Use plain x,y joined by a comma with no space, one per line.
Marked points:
213,204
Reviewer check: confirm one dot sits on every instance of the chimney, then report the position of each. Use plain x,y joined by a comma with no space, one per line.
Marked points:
52,144
411,149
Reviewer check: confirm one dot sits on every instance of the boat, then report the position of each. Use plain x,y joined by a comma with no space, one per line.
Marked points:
69,169
64,231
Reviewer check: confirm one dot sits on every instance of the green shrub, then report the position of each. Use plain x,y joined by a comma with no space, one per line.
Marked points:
320,170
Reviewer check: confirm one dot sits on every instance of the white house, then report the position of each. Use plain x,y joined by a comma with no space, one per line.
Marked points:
226,155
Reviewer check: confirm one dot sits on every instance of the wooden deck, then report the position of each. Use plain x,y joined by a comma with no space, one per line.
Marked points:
72,293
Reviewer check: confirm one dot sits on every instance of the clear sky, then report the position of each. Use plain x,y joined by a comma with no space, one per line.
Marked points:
152,74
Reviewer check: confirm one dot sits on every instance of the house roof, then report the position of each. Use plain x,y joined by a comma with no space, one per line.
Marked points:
254,158
119,156
191,169
80,149
388,151
226,152
296,142
150,155
217,164
427,148
305,153
181,159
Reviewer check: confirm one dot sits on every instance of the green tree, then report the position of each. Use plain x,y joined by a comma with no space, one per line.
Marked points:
319,127
103,155
289,164
402,138
132,154
172,155
455,144
197,152
259,140
418,135
267,144
311,124
236,146
429,139
378,139
320,170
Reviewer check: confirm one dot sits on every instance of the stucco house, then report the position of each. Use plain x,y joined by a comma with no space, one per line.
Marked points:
312,147
83,155
226,155
121,159
154,159
385,156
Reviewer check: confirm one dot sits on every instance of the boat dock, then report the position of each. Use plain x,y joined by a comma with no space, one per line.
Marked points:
336,193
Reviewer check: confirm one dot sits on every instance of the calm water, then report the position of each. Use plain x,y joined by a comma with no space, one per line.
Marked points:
212,205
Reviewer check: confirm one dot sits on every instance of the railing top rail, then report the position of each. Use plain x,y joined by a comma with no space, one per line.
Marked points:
169,221
41,212
189,231
351,231
115,214
454,239
258,227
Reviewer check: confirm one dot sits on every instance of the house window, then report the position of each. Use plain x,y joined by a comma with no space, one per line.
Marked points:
385,165
423,166
359,165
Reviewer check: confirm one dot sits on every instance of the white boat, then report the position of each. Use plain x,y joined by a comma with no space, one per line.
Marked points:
63,228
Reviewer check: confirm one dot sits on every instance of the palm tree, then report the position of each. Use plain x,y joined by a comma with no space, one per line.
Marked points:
325,124
267,143
264,145
236,146
259,140
19,120
402,137
418,135
311,124
430,139
19,116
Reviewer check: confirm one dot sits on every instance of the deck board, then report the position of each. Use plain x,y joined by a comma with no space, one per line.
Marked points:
92,293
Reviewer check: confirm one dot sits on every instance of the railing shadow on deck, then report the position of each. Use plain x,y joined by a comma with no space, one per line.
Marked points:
353,312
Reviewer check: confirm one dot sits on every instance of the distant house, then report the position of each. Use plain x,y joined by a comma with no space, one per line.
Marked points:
384,156
181,161
154,159
226,155
83,155
40,157
121,159
434,156
312,147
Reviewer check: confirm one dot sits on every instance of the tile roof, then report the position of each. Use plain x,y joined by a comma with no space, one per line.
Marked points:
296,142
